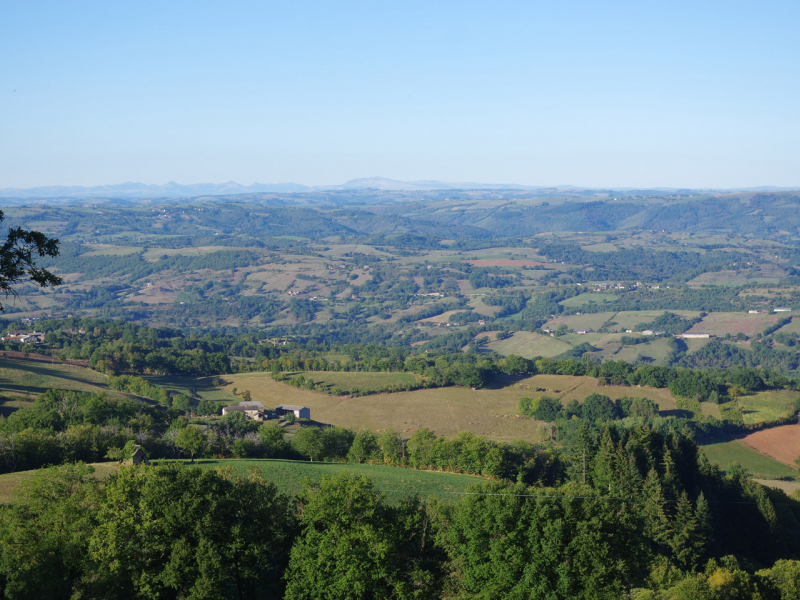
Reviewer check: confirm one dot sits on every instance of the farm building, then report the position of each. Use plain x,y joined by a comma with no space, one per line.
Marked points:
137,457
301,412
782,309
695,336
25,337
251,410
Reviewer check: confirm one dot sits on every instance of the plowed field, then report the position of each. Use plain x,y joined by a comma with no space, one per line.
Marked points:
781,443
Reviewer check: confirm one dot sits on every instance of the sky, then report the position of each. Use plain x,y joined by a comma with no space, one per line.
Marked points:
601,94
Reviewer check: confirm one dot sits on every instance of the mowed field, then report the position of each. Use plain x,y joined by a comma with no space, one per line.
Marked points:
781,443
529,345
491,412
720,323
726,453
288,475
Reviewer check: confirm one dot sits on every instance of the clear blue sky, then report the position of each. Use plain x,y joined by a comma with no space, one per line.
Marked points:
606,93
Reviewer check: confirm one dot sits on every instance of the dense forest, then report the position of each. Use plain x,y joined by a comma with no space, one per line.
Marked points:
629,509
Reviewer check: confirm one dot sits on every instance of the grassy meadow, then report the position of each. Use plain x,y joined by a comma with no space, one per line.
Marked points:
529,345
28,379
10,482
726,453
489,412
588,298
203,387
771,405
492,412
396,482
289,475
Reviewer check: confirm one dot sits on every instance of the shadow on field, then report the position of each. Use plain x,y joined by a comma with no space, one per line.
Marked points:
677,413
44,372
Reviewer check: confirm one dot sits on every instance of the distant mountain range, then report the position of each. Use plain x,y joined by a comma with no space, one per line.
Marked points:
141,191
382,183
131,190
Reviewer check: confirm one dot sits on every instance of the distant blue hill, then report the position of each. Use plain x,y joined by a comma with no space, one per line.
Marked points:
135,191
125,193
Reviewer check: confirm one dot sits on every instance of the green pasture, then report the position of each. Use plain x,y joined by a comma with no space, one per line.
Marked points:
791,327
629,354
585,321
529,345
588,298
724,454
657,350
30,378
629,319
396,482
771,405
289,476
203,386
9,483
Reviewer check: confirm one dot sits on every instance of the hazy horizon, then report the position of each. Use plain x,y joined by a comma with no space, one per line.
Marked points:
587,94
376,182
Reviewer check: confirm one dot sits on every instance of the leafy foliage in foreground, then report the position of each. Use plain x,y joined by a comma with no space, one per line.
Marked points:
183,532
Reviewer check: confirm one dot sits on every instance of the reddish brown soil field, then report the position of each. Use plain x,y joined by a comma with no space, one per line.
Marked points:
504,262
781,443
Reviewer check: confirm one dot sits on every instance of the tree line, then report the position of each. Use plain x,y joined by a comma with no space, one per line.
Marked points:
633,513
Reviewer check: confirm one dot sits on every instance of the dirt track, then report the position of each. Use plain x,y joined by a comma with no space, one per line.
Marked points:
781,443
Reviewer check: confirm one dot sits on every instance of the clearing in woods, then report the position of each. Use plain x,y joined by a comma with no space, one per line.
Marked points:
781,443
288,475
396,482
